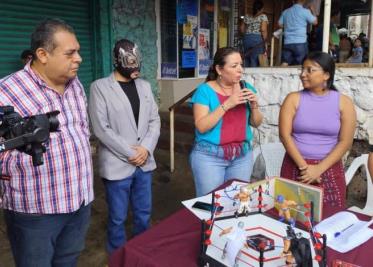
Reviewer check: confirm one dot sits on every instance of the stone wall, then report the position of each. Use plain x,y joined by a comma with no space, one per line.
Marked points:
136,21
274,84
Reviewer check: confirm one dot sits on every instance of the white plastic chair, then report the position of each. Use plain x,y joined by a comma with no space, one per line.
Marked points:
273,155
355,164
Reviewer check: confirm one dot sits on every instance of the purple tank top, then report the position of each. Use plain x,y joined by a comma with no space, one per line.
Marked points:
316,124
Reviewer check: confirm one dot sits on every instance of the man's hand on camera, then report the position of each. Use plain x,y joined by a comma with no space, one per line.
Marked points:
141,156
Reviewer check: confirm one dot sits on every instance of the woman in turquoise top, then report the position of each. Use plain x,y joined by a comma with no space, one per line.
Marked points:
223,113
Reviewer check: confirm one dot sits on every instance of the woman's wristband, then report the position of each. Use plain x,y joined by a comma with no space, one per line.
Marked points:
370,148
224,108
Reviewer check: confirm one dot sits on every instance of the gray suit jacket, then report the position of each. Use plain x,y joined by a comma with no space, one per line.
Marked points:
114,125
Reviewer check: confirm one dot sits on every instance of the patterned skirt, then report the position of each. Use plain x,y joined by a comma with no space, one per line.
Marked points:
332,181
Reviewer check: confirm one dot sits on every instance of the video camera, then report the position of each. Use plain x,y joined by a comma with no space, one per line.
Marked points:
26,134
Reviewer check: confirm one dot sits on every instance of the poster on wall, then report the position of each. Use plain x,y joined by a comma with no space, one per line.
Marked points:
184,8
188,59
204,55
358,24
203,66
190,33
204,44
168,70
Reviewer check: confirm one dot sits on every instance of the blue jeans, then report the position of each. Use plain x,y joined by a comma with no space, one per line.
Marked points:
211,170
135,190
294,54
47,240
252,48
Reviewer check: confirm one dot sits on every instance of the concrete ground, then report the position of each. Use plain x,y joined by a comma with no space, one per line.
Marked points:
168,192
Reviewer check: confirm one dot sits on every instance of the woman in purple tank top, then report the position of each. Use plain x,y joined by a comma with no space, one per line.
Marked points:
317,126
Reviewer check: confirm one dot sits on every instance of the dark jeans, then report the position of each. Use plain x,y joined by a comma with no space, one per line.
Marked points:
47,240
135,190
294,54
253,46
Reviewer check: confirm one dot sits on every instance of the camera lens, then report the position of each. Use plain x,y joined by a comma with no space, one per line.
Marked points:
53,121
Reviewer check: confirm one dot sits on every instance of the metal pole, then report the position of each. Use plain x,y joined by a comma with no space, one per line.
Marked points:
216,26
371,35
172,140
325,37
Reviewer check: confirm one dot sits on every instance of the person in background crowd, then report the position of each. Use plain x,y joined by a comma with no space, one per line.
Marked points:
294,20
223,113
47,208
357,52
345,47
26,56
125,120
365,45
317,126
255,30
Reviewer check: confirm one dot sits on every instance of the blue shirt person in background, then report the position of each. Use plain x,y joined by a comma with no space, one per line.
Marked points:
294,20
357,53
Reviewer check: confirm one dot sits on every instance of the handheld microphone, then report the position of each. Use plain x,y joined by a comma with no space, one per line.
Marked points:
242,84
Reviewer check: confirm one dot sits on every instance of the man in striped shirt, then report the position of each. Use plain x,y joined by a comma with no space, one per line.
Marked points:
47,207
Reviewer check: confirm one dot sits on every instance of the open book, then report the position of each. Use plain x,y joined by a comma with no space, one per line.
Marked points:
344,231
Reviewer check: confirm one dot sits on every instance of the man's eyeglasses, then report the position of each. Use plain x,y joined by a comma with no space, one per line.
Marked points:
309,70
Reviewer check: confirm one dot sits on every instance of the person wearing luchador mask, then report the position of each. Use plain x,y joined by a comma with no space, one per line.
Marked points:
125,120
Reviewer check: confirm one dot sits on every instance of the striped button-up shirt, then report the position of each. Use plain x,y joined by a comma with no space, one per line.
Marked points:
64,182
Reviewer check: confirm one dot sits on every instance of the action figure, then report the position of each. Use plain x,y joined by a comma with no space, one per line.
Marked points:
244,197
284,210
297,250
236,238
289,258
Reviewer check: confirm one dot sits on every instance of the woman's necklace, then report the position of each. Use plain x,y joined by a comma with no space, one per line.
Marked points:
223,88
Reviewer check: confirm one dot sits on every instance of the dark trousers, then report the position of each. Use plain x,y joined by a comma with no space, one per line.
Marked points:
294,54
135,190
47,240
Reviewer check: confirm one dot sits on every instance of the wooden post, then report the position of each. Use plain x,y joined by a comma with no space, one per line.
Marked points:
172,140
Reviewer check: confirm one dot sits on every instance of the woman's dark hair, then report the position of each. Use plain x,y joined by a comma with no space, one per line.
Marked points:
326,62
257,6
220,60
